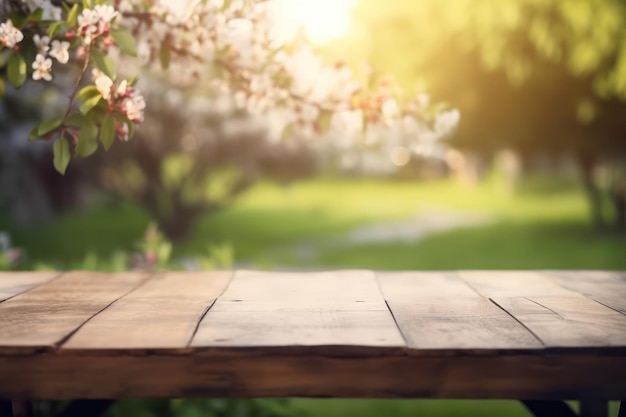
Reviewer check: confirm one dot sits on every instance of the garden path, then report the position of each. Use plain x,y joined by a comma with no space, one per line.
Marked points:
411,230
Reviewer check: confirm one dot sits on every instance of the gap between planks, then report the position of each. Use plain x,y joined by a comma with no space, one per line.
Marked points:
161,315
560,317
43,317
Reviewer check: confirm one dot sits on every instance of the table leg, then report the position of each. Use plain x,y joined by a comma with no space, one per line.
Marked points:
549,408
22,408
86,408
622,409
594,408
6,408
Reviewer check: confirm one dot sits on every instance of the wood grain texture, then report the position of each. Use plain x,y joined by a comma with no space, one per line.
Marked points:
263,309
161,314
437,310
312,334
14,283
441,376
558,316
608,288
43,317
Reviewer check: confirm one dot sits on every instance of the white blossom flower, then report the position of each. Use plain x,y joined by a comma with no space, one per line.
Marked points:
134,106
105,12
49,10
42,66
42,43
60,51
87,18
95,22
446,122
88,25
103,83
390,110
10,35
122,89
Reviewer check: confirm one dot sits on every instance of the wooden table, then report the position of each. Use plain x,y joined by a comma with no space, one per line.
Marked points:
519,335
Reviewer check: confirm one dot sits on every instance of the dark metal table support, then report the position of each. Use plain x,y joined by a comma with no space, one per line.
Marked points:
549,408
594,408
86,408
23,408
78,408
6,408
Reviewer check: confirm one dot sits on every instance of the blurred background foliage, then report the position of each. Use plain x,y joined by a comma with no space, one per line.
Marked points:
539,77
535,177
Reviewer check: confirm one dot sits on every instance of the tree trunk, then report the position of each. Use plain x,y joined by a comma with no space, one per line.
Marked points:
618,194
179,225
586,162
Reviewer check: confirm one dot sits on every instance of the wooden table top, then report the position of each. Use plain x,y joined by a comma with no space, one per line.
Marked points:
465,334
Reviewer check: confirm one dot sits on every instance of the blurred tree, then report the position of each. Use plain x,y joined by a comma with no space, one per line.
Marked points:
227,49
196,157
536,76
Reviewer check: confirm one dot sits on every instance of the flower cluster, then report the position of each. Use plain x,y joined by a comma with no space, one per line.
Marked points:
56,49
47,7
10,36
93,23
122,97
230,46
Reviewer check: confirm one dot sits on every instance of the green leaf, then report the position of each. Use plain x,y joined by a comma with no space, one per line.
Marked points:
88,92
61,151
87,140
48,126
165,56
107,131
87,4
104,63
54,29
35,16
72,16
75,119
18,18
34,134
2,86
16,70
131,129
125,41
133,81
226,4
89,103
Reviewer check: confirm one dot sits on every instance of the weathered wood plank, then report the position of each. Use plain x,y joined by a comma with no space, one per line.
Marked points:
514,284
46,315
608,288
262,309
161,314
14,283
559,317
437,310
521,376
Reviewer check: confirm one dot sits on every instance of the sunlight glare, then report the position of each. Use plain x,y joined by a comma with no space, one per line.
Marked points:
321,20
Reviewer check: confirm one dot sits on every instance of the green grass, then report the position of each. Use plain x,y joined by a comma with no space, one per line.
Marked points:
506,245
413,408
545,225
